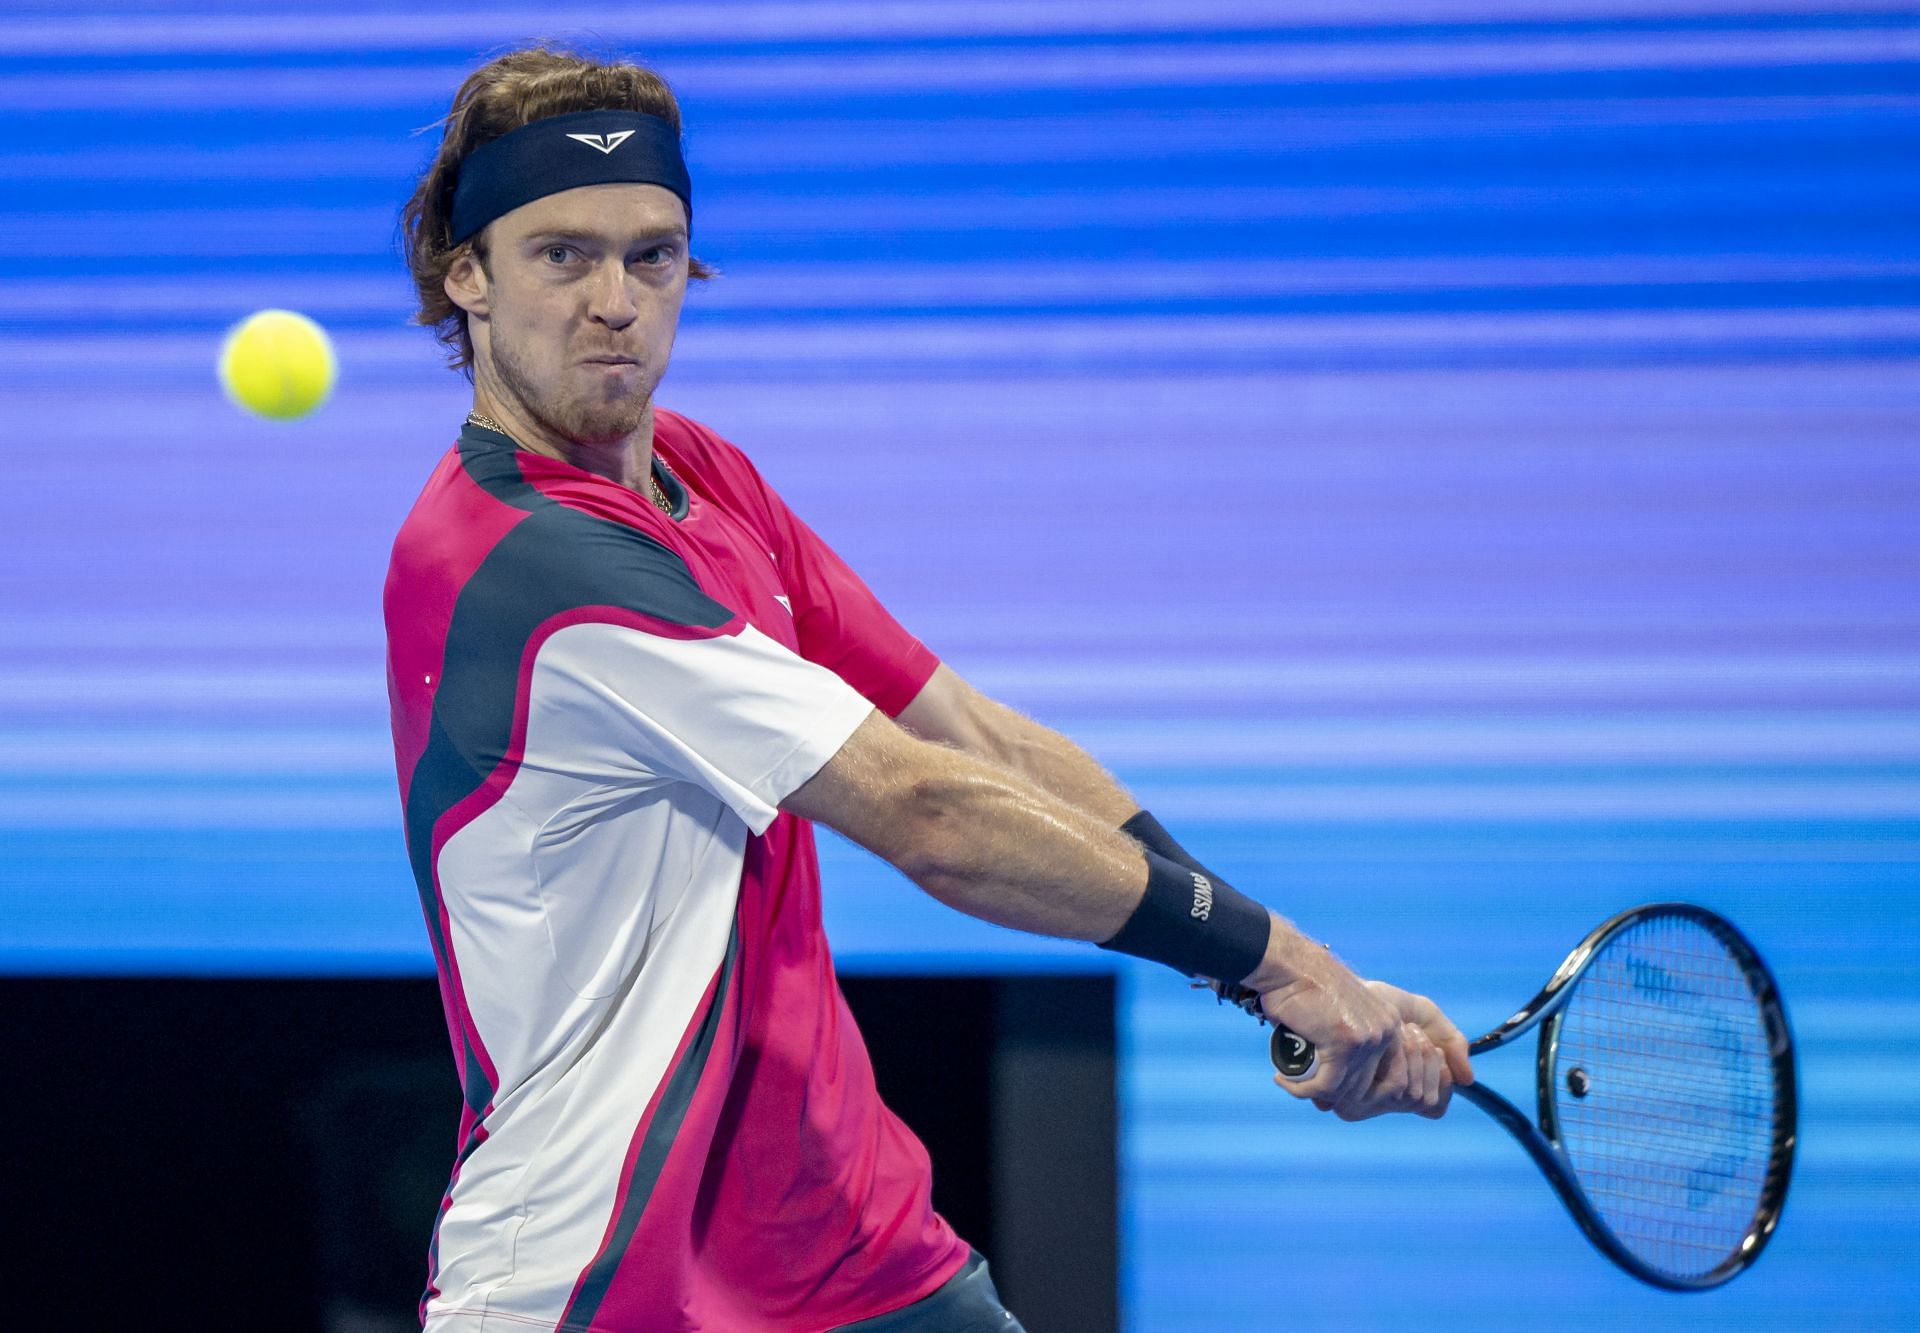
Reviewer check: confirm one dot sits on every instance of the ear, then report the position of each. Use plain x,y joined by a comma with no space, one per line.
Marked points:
466,284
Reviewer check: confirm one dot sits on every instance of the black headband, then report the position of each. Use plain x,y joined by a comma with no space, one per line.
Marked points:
560,152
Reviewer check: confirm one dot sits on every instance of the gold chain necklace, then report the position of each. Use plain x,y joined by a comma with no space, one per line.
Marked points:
659,496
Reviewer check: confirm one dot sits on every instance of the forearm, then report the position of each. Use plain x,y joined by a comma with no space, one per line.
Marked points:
1060,767
1041,866
988,841
1029,832
1051,762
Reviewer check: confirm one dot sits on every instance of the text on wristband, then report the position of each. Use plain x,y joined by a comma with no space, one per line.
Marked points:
1202,896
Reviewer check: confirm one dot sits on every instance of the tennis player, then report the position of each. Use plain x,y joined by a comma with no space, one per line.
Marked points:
626,679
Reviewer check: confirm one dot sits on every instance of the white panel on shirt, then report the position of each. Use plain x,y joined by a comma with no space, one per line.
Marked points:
590,907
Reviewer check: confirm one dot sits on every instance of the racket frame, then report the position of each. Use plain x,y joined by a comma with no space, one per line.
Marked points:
1542,1141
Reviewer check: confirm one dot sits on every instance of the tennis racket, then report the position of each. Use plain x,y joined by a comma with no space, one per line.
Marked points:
1666,1092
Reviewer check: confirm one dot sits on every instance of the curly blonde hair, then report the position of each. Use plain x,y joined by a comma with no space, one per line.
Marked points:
502,95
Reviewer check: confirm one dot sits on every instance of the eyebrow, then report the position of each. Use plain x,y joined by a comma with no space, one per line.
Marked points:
672,229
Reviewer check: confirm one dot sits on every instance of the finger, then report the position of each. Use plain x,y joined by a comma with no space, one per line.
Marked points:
1389,1076
1389,1086
1372,1063
1421,1055
1420,1070
1328,1083
1431,1069
1322,1087
1444,1034
1415,1046
1322,1083
1454,1042
1459,1065
1366,1110
1419,1074
1445,1098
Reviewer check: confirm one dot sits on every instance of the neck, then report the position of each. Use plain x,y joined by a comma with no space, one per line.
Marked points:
628,460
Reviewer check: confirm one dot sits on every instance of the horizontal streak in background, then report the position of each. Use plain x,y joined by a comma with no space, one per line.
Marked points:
749,147
210,28
93,303
1043,345
181,806
1127,684
1572,742
1017,633
325,231
987,69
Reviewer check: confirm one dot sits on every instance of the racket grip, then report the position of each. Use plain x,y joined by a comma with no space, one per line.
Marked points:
1293,1055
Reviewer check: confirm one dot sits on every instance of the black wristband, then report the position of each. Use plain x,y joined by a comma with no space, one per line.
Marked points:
1147,831
1194,923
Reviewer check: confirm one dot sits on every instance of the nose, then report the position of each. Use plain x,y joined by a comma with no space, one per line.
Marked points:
610,300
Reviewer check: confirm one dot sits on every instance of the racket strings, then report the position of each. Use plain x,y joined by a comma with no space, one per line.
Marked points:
1673,1137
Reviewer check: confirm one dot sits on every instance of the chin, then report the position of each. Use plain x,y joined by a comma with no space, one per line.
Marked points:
604,425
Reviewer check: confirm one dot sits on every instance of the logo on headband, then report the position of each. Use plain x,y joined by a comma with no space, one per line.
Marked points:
606,143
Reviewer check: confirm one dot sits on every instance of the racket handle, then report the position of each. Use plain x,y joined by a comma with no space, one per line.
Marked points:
1293,1055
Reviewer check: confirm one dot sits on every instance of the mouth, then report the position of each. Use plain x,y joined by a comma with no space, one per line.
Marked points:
612,361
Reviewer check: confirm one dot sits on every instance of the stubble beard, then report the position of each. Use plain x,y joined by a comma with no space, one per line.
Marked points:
586,421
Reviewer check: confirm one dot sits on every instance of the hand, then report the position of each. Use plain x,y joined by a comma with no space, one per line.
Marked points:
1422,1014
1355,1031
1420,1072
1380,1048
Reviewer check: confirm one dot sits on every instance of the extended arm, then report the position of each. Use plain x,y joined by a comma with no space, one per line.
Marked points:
984,841
1005,819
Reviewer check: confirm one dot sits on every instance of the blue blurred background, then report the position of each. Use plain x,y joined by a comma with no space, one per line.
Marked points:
1455,461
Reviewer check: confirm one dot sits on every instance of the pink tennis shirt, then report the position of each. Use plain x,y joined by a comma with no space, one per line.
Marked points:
670,1119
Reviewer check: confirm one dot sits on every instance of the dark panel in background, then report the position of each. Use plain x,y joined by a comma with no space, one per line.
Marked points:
1055,1168
219,1150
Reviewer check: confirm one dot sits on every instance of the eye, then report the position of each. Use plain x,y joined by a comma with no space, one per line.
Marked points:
655,255
553,250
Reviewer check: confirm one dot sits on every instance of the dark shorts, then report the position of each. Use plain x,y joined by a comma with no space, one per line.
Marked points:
964,1303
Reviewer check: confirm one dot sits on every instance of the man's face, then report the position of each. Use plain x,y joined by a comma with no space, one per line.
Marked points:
576,320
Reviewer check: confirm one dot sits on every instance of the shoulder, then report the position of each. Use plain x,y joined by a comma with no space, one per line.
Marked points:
708,453
685,434
549,540
563,559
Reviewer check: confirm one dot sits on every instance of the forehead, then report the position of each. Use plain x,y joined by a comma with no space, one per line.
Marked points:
620,212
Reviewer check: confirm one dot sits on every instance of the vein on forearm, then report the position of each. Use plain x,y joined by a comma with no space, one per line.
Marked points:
1055,764
988,841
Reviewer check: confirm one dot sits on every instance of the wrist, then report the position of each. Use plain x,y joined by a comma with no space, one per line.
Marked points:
1151,834
1196,924
1291,957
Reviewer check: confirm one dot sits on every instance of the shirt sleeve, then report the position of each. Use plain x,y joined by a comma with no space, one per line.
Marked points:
840,623
734,713
631,675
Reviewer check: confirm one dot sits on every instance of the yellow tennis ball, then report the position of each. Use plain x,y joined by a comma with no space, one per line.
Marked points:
277,363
